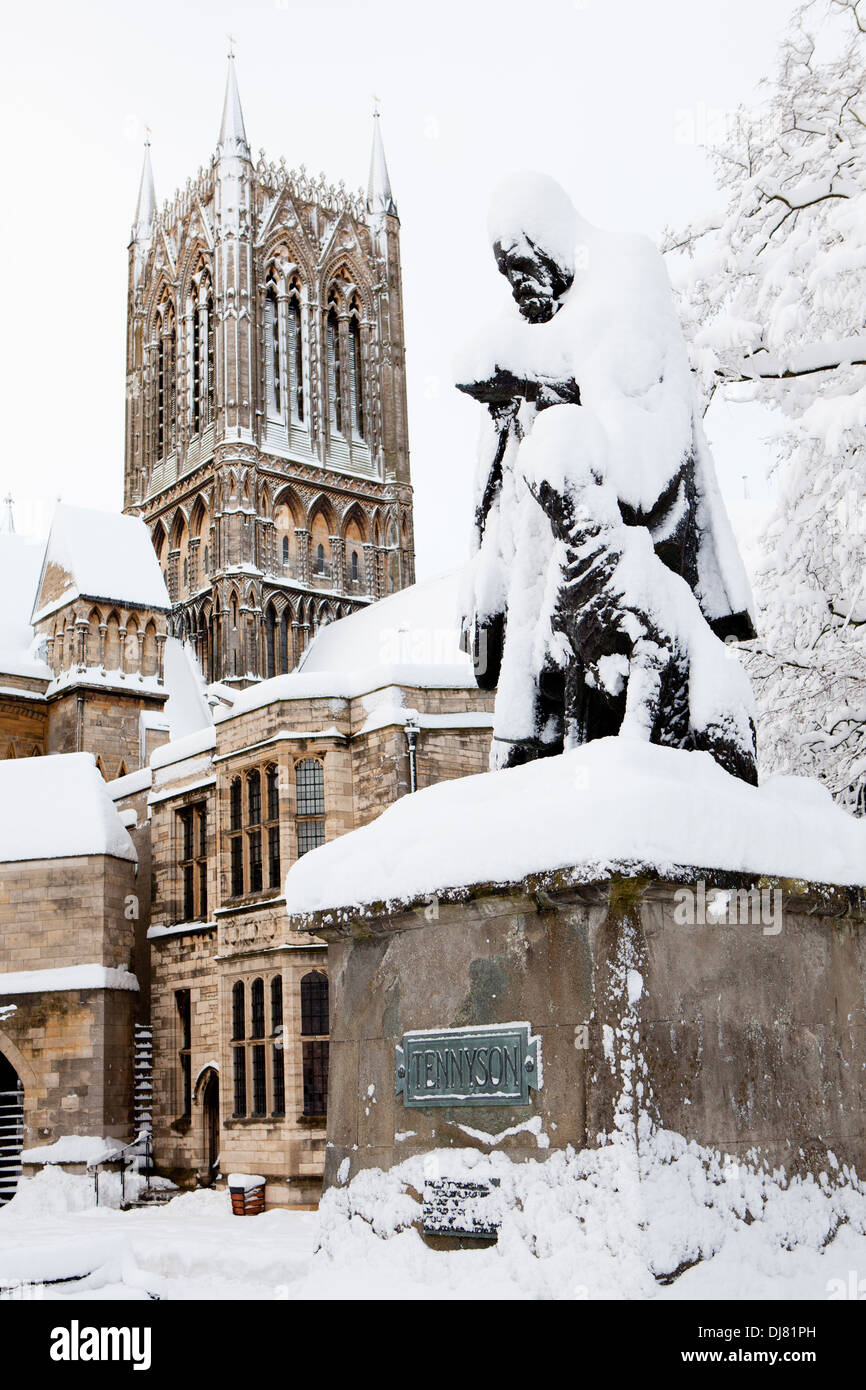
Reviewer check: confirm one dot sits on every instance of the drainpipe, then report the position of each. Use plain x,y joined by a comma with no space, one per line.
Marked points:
412,730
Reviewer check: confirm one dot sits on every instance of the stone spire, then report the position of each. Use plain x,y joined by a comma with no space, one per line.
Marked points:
145,208
7,524
380,199
233,137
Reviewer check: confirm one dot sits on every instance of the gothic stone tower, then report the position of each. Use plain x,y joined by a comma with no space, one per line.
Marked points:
266,433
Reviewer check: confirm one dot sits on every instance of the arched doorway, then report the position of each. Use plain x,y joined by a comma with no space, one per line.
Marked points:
11,1129
210,1105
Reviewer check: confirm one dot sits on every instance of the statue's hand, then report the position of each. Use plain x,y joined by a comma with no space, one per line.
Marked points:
550,393
502,388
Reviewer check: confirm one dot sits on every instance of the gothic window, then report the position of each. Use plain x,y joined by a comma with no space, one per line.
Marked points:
279,1075
166,383
314,1044
273,827
296,355
270,641
254,846
356,373
250,1047
239,1060
257,1008
310,804
335,388
195,355
272,352
211,356
236,845
276,1003
184,1018
320,559
238,1028
354,566
254,793
192,827
254,835
260,1103
285,551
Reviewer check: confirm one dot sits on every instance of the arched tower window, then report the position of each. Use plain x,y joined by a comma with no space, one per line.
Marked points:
166,413
211,357
356,370
196,364
273,381
335,386
295,354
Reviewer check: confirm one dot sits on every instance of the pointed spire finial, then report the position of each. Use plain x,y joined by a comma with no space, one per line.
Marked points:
145,208
8,520
233,136
380,199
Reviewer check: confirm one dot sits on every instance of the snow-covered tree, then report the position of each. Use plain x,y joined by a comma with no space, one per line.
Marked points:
772,293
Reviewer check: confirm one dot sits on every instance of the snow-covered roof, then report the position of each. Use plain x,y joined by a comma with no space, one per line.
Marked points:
20,560
58,807
610,806
99,555
187,709
190,746
411,638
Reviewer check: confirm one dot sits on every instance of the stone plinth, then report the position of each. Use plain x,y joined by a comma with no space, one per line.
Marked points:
752,1031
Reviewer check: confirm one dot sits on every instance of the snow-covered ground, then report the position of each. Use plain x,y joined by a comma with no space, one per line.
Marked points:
598,1224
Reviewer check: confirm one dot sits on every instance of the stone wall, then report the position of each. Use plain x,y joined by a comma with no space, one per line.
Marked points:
753,1037
72,1048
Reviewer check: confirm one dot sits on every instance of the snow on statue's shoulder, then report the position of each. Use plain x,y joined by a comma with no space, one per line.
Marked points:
610,806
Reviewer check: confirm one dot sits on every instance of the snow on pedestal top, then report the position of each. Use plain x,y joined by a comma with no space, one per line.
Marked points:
58,807
610,806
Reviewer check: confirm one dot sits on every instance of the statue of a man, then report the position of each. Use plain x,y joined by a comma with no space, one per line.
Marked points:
606,574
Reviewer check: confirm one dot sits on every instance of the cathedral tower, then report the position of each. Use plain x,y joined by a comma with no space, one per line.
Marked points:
266,426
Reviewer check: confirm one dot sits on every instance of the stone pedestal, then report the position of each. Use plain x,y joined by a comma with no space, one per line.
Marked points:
745,1034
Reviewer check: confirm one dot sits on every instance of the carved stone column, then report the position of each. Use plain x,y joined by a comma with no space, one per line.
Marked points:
338,558
369,568
304,542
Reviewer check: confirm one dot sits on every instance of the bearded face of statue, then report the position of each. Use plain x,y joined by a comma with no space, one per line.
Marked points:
537,281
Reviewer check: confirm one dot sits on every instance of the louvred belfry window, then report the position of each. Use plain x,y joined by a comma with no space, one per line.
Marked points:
296,357
272,353
211,359
335,389
195,356
357,374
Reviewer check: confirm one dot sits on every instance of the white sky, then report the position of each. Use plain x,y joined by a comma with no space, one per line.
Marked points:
610,98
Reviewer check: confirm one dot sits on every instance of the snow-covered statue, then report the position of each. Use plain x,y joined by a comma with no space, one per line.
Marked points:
606,576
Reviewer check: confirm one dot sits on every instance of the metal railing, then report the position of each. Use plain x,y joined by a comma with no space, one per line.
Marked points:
141,1147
